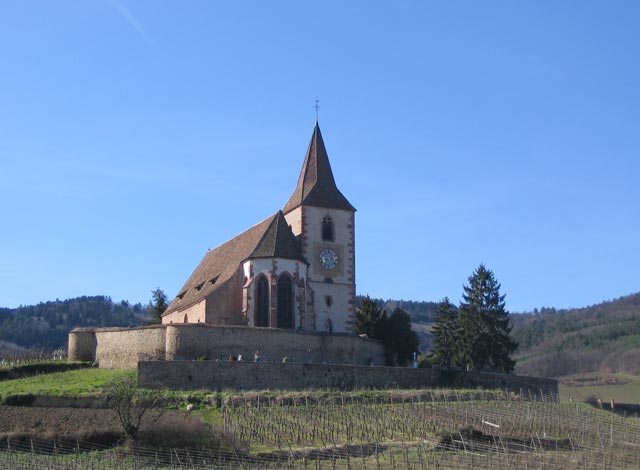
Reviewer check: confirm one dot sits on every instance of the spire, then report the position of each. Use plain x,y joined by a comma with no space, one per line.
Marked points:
316,186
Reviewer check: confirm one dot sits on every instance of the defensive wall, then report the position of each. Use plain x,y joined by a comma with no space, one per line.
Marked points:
123,348
212,375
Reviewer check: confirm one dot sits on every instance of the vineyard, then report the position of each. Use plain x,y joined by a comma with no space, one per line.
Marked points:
400,430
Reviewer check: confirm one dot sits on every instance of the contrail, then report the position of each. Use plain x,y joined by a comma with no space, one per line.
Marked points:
135,24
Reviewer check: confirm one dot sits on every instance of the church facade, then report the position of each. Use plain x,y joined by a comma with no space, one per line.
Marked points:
294,270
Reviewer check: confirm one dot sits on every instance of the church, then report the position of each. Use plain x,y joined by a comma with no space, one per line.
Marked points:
294,270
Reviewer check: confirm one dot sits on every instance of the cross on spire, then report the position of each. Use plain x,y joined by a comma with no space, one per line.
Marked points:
317,106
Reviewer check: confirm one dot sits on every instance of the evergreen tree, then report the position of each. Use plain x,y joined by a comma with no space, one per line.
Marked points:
445,335
399,339
484,342
158,305
369,318
395,333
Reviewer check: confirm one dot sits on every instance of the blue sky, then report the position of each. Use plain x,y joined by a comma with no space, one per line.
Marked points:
135,135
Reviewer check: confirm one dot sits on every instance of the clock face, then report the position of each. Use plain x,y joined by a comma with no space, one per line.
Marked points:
328,259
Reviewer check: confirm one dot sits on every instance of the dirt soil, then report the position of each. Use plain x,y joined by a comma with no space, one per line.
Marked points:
97,426
100,426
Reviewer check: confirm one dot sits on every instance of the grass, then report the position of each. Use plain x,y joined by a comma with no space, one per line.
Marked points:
210,416
626,391
75,383
89,382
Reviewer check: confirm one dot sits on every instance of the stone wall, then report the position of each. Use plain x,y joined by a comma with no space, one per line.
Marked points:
212,375
117,348
124,347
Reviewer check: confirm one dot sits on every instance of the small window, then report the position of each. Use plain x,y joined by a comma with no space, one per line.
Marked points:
181,295
328,325
213,280
186,318
328,300
199,286
327,229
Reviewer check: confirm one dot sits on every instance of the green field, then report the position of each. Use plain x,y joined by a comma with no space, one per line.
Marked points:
75,383
621,388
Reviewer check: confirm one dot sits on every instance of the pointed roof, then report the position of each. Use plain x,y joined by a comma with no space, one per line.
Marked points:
278,241
270,238
316,186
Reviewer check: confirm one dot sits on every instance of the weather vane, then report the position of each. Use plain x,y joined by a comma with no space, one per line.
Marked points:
317,106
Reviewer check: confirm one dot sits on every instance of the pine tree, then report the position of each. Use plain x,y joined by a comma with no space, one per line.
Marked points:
158,305
445,333
368,318
484,342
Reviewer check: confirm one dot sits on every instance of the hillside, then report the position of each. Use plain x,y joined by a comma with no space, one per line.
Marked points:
602,338
47,324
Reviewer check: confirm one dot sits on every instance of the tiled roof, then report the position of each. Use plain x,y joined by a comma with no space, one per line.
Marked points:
270,238
316,186
278,241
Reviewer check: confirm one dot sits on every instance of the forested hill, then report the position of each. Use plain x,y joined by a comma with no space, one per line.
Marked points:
46,325
419,311
603,337
553,343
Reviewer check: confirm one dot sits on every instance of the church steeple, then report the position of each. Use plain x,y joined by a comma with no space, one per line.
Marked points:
316,185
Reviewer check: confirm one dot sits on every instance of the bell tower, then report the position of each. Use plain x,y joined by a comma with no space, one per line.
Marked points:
323,221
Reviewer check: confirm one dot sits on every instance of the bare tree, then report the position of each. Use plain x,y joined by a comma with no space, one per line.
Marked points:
130,402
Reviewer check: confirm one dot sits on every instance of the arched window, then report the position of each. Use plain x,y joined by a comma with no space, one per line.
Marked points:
186,318
327,229
285,302
261,317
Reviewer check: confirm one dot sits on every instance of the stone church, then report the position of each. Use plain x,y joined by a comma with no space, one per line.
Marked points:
294,270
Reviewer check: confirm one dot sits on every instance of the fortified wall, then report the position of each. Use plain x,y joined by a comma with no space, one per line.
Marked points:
211,375
122,348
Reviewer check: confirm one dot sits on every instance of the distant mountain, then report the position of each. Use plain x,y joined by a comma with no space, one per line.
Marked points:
600,338
47,324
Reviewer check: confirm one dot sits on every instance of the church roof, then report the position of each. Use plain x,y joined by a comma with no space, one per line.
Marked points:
278,241
316,185
271,238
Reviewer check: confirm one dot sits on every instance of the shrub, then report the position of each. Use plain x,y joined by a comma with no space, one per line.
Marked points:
130,402
25,399
175,430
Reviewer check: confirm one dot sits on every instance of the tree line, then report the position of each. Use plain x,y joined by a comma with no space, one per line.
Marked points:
47,324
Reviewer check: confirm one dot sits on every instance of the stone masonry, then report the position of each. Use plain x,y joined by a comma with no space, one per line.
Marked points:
122,348
212,375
